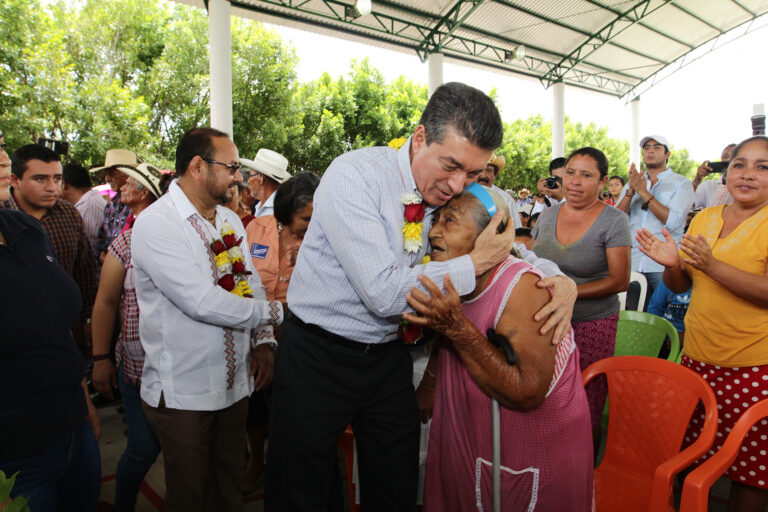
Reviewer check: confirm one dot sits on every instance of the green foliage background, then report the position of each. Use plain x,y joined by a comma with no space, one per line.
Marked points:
108,73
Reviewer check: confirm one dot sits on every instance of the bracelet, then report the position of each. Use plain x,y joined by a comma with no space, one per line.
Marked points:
629,194
100,357
645,204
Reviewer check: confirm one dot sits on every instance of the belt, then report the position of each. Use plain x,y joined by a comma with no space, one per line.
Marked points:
341,340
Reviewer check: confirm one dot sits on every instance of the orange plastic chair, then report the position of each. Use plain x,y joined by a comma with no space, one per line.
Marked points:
652,401
347,445
696,487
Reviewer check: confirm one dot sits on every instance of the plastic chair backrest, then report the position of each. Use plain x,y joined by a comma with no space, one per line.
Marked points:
652,401
643,282
696,487
642,334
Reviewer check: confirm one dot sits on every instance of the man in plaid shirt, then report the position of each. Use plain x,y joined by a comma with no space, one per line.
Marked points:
36,175
116,213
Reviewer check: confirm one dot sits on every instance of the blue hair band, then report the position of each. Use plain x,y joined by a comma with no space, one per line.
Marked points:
484,196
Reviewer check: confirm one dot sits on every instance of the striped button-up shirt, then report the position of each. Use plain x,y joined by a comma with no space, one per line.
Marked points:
352,272
91,206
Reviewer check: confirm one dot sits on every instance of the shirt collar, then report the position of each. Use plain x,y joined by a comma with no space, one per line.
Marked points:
86,196
404,165
270,202
12,228
183,205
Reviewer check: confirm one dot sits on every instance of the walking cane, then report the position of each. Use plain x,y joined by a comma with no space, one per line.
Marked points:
503,343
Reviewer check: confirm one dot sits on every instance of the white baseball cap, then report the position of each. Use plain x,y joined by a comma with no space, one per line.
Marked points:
658,138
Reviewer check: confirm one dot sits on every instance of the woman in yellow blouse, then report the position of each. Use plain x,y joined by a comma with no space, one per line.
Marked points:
724,256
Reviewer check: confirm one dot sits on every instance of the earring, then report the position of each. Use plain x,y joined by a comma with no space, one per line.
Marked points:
279,227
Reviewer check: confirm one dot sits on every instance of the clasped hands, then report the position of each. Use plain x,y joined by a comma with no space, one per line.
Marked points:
638,183
697,252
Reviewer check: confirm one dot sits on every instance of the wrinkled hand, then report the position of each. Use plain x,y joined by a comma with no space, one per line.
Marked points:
559,308
492,248
637,181
440,312
662,252
104,377
703,170
425,397
698,253
262,366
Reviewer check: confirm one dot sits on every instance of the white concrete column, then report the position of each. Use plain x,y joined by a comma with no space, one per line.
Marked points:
558,119
435,63
220,64
634,143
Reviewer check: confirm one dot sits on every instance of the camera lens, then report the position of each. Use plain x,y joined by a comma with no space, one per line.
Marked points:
553,181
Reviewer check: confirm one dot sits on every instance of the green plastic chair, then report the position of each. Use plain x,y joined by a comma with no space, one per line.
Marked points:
643,334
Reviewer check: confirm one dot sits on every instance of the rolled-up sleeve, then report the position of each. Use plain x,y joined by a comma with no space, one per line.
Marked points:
679,205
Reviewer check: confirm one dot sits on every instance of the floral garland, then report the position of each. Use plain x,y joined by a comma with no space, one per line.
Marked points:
412,225
398,142
230,262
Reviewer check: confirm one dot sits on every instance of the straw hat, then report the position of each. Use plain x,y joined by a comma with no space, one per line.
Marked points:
115,158
146,174
269,163
499,162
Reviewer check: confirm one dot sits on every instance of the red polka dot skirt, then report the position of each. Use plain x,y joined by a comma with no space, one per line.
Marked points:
736,389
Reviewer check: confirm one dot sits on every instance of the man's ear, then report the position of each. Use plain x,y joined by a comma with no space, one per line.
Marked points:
419,138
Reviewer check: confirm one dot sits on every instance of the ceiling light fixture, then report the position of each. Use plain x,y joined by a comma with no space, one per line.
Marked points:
364,7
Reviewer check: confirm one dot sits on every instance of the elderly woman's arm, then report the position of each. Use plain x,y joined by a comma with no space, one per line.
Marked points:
523,385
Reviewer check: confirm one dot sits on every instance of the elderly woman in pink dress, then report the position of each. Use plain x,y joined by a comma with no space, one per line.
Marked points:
546,441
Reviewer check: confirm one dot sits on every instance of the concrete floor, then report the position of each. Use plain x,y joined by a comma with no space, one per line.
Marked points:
112,444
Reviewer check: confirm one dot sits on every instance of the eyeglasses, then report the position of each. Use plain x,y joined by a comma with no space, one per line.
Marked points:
233,168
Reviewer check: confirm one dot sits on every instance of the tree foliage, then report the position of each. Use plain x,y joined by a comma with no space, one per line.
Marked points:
102,74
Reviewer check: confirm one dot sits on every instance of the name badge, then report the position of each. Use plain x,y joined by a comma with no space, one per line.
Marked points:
259,251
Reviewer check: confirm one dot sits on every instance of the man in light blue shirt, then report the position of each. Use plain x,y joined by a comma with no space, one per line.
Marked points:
339,362
656,200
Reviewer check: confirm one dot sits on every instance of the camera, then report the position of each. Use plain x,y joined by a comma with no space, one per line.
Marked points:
553,182
57,146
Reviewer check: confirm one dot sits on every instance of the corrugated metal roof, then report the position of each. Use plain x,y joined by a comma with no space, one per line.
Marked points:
619,47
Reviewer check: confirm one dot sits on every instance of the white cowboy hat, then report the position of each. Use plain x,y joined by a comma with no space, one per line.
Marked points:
269,163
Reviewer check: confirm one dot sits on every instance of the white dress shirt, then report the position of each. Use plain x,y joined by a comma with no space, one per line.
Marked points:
352,273
268,208
196,335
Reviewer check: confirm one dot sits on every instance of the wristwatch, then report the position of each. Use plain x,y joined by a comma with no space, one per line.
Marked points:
645,204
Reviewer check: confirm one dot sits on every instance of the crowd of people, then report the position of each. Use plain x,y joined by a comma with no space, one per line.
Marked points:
231,305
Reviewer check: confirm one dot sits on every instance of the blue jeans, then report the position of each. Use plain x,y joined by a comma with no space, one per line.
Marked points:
141,449
65,477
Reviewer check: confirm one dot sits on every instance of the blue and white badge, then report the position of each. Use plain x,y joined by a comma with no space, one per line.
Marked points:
259,251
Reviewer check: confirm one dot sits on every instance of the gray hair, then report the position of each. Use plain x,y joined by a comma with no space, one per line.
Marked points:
468,110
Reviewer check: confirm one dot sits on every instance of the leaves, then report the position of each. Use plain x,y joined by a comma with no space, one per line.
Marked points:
102,74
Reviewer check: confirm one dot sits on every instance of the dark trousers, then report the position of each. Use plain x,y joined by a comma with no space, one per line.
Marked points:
64,477
319,388
203,452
